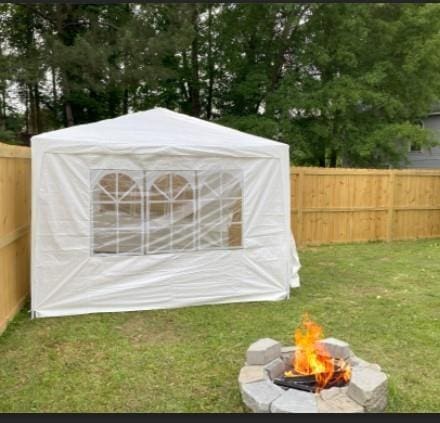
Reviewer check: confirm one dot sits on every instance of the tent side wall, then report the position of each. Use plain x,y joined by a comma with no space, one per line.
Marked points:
67,279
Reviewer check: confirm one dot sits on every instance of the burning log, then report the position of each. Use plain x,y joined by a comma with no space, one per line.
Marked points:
309,382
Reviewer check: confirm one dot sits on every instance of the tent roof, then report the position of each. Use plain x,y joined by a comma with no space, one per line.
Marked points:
155,127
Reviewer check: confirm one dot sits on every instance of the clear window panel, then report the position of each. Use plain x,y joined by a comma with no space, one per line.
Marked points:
185,193
108,182
104,216
159,239
100,195
183,212
210,212
159,213
210,237
104,186
155,194
231,184
125,184
183,237
237,208
130,242
224,234
132,195
234,235
182,185
231,211
130,185
158,186
104,242
210,184
130,216
158,208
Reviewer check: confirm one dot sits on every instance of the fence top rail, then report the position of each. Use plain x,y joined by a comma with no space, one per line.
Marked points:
294,170
14,151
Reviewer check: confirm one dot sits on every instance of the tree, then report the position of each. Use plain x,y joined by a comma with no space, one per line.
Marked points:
367,75
20,27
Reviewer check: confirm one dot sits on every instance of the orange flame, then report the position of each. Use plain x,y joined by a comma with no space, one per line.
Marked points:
312,358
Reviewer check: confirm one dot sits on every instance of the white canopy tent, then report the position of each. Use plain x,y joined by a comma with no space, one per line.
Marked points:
158,210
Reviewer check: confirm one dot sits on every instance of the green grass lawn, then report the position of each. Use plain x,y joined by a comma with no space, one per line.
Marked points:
384,299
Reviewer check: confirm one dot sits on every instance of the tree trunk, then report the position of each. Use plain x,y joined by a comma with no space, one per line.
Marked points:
195,83
125,102
321,158
285,42
37,108
210,66
54,88
67,105
32,109
62,16
69,113
333,158
279,57
183,87
26,112
3,110
2,103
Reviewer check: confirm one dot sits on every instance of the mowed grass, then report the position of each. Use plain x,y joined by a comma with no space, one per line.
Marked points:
384,299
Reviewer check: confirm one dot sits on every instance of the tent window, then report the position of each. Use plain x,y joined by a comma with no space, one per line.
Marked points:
117,212
170,223
220,209
181,210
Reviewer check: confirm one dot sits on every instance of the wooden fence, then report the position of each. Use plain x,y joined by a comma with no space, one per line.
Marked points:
355,205
15,213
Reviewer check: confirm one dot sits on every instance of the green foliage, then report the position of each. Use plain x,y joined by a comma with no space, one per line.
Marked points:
7,135
342,84
366,76
387,144
252,124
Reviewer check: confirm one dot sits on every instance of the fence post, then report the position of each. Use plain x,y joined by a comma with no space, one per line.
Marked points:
390,219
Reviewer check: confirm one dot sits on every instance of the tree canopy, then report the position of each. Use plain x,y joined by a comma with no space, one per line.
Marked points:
343,84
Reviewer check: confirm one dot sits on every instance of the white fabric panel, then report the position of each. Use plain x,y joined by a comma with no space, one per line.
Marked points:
68,277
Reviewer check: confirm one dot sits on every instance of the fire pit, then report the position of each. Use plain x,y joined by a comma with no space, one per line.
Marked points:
314,376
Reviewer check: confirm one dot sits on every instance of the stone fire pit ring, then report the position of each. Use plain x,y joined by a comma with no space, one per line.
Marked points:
266,360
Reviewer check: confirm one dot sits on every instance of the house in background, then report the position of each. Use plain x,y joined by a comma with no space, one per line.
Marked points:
420,157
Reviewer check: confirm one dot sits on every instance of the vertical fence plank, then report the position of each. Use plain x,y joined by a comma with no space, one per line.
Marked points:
390,219
299,205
